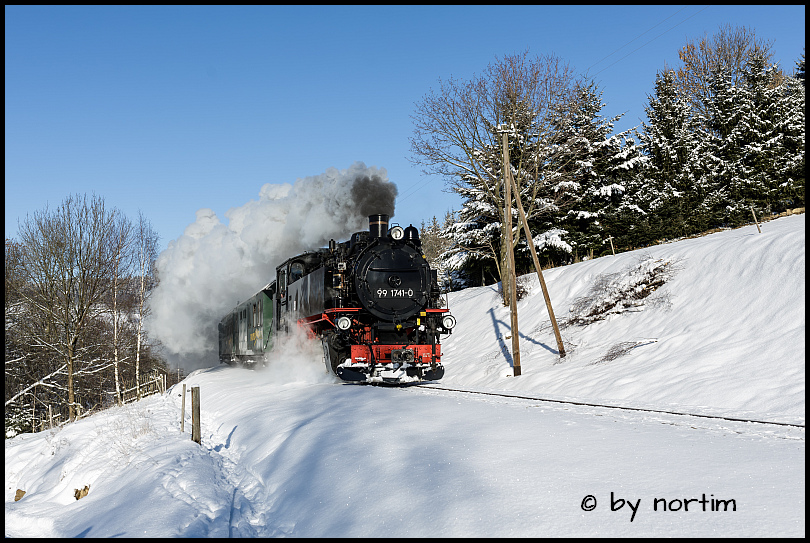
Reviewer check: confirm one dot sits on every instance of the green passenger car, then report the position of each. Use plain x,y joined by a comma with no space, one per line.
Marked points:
247,332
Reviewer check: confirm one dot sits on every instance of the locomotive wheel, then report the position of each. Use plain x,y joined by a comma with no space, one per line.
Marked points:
332,356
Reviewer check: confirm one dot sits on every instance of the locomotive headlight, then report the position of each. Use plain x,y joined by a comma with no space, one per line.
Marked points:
396,233
344,323
449,321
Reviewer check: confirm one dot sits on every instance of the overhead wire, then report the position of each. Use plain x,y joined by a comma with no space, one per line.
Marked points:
649,42
634,39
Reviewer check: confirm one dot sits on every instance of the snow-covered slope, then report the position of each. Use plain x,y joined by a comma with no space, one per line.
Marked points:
726,332
288,451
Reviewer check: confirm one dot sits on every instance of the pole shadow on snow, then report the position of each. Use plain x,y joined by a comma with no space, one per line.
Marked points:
497,323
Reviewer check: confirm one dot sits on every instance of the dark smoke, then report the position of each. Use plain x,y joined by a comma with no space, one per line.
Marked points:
372,194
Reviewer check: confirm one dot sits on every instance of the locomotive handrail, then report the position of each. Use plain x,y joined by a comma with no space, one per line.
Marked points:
400,270
324,316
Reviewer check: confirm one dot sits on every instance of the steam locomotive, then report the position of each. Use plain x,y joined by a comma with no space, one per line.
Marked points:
373,301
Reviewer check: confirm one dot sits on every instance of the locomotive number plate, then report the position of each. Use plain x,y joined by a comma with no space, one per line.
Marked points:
395,293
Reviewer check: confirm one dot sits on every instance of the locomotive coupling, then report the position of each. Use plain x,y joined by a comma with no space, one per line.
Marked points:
402,356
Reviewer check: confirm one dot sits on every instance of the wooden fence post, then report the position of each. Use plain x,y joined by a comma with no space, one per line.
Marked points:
183,411
195,415
755,219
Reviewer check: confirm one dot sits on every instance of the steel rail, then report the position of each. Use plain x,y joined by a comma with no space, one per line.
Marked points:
587,404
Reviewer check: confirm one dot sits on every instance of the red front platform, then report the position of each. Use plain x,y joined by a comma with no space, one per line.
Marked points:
382,353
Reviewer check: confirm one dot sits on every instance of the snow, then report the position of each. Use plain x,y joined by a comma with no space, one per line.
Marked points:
287,451
552,238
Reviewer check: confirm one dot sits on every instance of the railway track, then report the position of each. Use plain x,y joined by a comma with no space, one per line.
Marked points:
617,407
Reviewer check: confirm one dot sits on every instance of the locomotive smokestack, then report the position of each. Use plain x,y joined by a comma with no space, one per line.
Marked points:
378,225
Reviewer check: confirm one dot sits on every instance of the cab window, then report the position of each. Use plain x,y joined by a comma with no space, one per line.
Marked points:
296,271
282,283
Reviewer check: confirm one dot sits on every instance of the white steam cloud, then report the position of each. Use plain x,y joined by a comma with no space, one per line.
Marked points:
295,359
212,266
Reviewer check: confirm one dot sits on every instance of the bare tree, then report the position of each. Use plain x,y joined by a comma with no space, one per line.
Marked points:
728,51
31,376
123,241
458,131
68,263
77,283
147,252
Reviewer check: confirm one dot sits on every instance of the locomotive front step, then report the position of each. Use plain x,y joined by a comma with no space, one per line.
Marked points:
389,373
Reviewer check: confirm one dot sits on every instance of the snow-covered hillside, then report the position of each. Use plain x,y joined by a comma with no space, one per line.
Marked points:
725,333
288,451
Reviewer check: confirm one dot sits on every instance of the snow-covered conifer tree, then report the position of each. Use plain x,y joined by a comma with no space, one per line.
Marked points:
752,152
458,134
596,166
716,159
667,190
789,165
435,242
799,74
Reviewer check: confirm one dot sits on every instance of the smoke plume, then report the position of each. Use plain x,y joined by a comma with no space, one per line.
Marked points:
213,266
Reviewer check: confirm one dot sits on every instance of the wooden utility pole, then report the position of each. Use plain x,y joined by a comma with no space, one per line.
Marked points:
510,257
530,243
196,433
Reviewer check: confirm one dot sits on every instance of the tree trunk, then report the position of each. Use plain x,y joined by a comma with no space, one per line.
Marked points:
115,341
138,342
71,408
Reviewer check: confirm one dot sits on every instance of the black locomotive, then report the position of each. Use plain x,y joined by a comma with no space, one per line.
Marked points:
373,301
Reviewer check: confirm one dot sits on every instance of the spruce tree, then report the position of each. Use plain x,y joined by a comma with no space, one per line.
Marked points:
760,135
668,192
752,153
789,164
716,160
600,167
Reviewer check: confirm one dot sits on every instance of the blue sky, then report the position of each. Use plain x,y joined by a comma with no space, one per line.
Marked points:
171,109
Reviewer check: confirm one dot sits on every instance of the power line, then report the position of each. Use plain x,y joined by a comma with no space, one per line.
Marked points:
410,191
652,40
637,37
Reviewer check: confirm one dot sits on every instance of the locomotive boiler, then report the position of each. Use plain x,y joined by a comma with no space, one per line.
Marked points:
373,301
